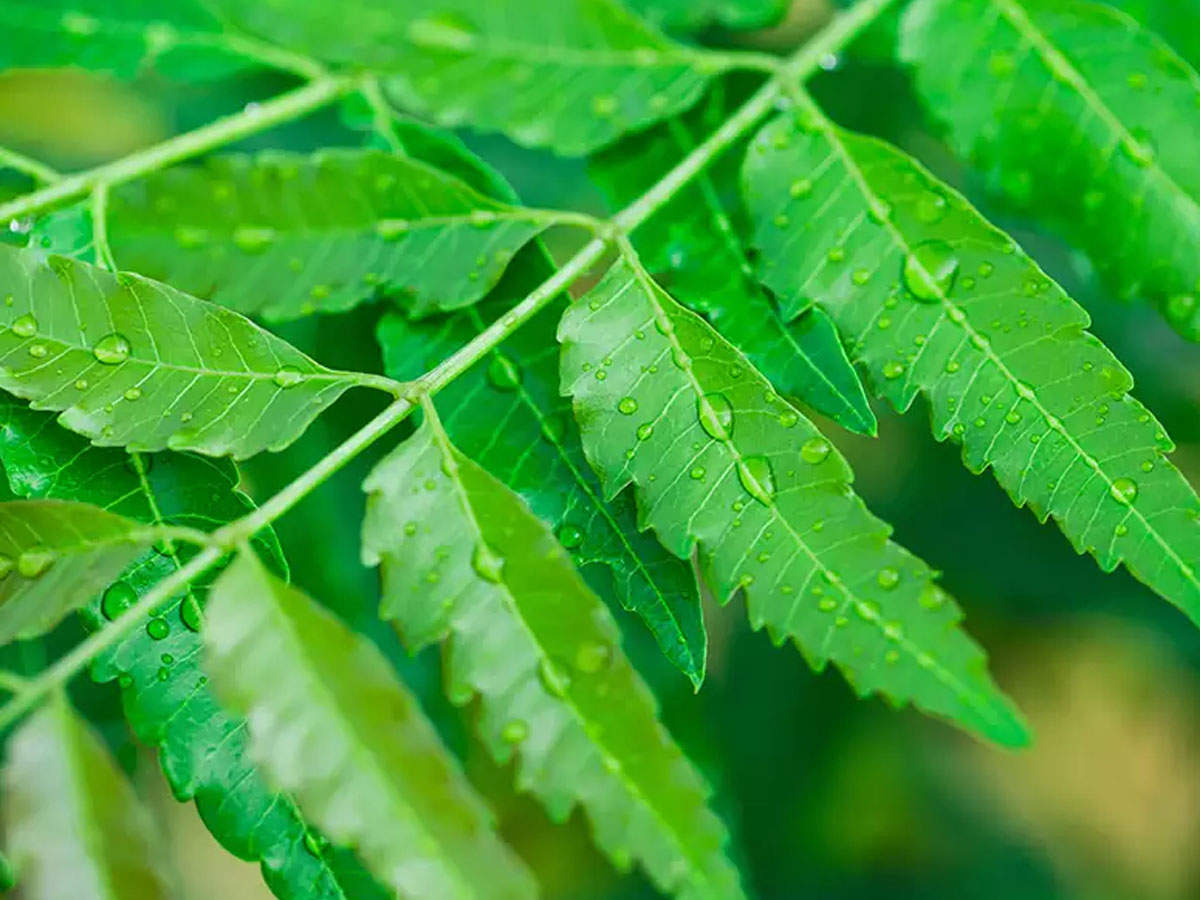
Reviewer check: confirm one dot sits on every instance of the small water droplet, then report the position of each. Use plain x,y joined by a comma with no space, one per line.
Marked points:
503,373
930,270
815,450
1124,490
117,598
756,477
25,326
287,376
35,560
715,413
111,349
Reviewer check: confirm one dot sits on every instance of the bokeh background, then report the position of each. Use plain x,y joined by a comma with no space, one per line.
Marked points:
826,796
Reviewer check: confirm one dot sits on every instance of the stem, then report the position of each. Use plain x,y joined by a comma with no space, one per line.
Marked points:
249,121
798,68
31,167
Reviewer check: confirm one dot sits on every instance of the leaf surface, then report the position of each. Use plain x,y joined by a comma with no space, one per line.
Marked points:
935,301
123,38
1074,112
330,723
724,467
283,235
531,639
569,76
54,556
135,363
73,825
697,243
169,705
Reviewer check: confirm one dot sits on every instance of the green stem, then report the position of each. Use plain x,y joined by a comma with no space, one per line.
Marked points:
31,167
249,121
799,67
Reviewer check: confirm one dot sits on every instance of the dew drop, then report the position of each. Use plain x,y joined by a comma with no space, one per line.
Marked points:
487,565
715,413
503,373
756,477
627,406
930,270
111,349
118,598
25,326
34,561
815,450
1124,490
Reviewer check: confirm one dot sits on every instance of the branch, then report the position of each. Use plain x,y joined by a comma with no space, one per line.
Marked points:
795,70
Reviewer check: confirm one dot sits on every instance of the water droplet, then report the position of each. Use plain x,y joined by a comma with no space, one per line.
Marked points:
815,450
592,656
487,565
111,349
627,406
118,598
503,373
888,577
253,239
930,270
756,477
35,560
25,326
715,413
1124,490
514,732
158,629
570,536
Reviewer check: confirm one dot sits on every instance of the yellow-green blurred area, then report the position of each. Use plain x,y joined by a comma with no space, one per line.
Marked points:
826,796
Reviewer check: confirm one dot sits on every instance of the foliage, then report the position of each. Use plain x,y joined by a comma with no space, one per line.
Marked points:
625,413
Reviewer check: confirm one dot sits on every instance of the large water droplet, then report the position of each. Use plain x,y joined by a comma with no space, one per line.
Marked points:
118,598
111,349
716,416
34,561
930,270
756,477
503,373
487,565
1124,490
25,326
815,450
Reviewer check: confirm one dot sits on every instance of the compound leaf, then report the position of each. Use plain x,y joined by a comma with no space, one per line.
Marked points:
697,242
202,748
54,556
73,825
283,235
180,40
330,723
933,300
570,76
135,363
1073,111
540,649
724,467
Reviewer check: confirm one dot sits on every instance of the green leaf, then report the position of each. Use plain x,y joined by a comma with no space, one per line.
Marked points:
73,825
1075,113
570,76
697,243
936,301
724,467
330,723
135,363
283,235
540,649
201,748
54,556
180,39
697,15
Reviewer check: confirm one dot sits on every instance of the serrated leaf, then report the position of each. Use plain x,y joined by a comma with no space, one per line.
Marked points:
201,748
696,15
569,76
123,38
330,723
540,649
1073,111
936,301
73,825
135,363
283,235
54,556
726,468
697,242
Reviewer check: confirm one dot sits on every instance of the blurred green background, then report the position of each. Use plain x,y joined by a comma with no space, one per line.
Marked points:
826,796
